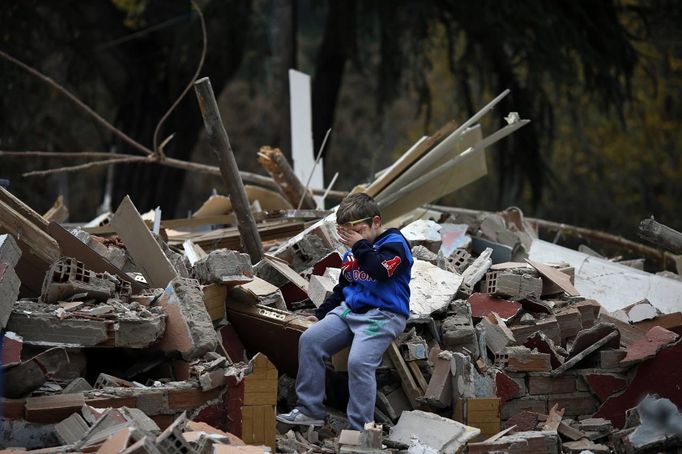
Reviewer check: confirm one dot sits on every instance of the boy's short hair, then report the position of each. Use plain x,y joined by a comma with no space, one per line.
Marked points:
355,207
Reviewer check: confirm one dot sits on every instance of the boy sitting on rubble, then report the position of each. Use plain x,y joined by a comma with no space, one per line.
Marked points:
367,310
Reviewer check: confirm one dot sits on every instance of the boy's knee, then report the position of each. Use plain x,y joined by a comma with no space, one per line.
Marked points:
359,364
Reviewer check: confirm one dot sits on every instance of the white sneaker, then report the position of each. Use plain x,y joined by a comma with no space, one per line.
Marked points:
297,418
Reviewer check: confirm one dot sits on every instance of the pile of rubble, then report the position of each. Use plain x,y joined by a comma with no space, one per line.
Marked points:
501,352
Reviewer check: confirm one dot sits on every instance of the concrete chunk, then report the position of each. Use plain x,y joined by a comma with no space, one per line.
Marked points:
319,288
423,232
224,266
441,434
9,251
189,329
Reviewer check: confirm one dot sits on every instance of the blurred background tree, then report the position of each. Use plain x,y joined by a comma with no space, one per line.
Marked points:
600,80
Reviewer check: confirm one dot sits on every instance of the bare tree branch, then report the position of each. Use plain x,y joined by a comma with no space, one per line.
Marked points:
78,102
64,155
87,165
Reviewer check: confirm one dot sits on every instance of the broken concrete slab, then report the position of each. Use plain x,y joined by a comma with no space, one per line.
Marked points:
223,266
441,434
189,329
42,324
654,340
637,312
483,304
31,374
431,288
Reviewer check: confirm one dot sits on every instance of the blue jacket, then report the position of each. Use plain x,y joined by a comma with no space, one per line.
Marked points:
374,275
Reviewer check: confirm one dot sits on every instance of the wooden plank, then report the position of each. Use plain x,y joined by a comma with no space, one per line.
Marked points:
23,209
438,183
412,390
38,249
561,279
141,245
73,247
418,376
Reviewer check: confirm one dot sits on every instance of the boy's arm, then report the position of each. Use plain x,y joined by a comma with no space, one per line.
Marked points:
332,300
380,264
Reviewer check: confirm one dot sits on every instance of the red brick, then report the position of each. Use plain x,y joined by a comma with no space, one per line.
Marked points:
575,404
524,421
544,345
603,385
11,349
537,404
539,385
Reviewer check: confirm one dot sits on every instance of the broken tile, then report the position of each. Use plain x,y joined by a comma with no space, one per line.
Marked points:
483,304
647,347
506,387
72,429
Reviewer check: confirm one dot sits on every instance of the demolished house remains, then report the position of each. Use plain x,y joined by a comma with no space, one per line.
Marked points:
138,334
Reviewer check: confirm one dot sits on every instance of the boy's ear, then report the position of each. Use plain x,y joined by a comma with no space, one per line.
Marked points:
376,220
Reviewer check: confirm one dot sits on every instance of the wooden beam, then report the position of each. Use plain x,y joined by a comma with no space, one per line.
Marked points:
276,164
410,386
660,235
220,144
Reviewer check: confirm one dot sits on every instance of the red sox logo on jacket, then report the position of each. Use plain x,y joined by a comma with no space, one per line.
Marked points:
391,265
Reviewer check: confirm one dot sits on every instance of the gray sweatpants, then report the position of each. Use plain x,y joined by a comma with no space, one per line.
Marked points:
369,335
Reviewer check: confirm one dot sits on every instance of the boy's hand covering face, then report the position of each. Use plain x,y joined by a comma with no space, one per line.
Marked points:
349,236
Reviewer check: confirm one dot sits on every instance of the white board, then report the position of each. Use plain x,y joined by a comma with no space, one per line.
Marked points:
302,152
